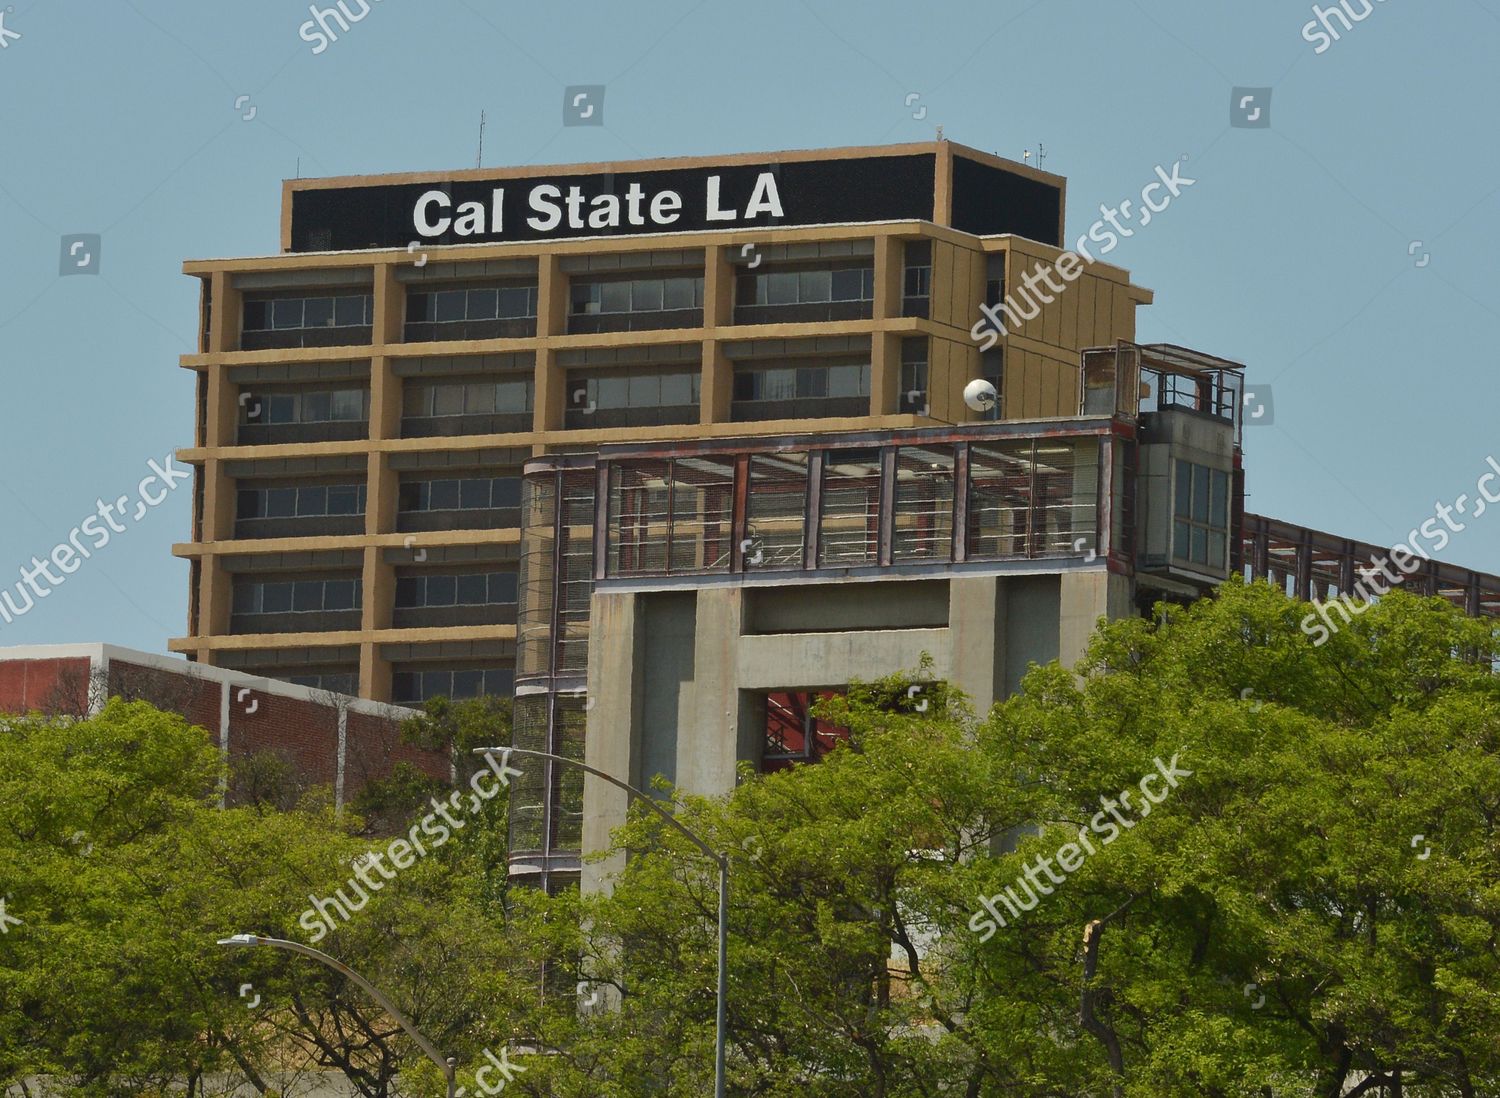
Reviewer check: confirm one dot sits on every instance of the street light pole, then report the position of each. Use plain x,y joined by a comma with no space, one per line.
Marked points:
720,860
447,1063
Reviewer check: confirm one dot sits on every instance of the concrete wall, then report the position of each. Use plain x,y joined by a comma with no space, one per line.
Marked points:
678,678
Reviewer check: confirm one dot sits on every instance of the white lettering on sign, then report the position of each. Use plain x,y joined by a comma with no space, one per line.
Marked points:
551,208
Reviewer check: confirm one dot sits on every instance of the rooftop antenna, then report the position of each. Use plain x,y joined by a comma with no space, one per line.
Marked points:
940,133
479,159
1041,154
299,167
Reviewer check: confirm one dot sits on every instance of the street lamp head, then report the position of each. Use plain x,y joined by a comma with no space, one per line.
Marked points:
240,940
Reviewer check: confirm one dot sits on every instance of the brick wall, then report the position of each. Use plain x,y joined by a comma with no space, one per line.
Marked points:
303,733
55,686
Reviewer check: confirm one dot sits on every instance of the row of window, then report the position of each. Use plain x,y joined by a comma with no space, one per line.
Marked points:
453,306
636,295
1025,498
471,589
306,406
599,297
511,396
415,687
806,287
292,313
297,597
318,500
809,382
460,494
662,390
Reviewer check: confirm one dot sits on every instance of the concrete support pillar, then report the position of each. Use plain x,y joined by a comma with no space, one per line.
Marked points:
374,673
977,624
708,745
551,297
718,383
389,306
1084,598
612,734
885,374
718,288
551,399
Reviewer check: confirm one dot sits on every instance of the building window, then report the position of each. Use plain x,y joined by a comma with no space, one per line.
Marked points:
849,527
1200,527
458,589
307,501
807,287
413,687
467,398
472,312
916,278
633,399
992,369
332,682
297,596
625,304
805,390
467,494
305,406
324,320
792,734
914,400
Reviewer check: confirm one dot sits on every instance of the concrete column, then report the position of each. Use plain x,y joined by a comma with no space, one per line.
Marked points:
885,373
550,388
612,734
374,673
385,399
214,603
707,746
718,288
976,624
551,297
890,262
1084,598
718,383
224,315
390,306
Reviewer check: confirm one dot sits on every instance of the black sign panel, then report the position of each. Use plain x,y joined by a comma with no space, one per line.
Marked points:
560,206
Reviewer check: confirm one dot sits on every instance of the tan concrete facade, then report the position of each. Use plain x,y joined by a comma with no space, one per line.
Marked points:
1040,380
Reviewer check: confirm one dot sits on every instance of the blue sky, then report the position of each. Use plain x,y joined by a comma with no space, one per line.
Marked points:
1293,252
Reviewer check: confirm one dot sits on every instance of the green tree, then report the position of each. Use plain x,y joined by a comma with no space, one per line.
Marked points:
1274,925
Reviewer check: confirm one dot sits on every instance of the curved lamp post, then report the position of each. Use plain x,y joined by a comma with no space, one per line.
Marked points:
718,859
447,1063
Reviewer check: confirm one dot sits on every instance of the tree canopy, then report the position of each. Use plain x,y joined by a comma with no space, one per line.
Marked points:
1213,859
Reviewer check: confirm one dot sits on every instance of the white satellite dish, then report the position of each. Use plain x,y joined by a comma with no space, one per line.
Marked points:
980,395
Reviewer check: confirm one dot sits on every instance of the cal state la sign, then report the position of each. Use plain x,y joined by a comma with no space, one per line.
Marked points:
508,205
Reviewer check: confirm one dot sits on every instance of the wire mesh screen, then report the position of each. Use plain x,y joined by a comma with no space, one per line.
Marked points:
527,800
923,523
999,499
567,792
849,527
535,582
577,579
1033,497
776,511
671,516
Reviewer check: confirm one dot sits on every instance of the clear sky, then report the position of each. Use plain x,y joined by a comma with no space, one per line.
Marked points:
1295,251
